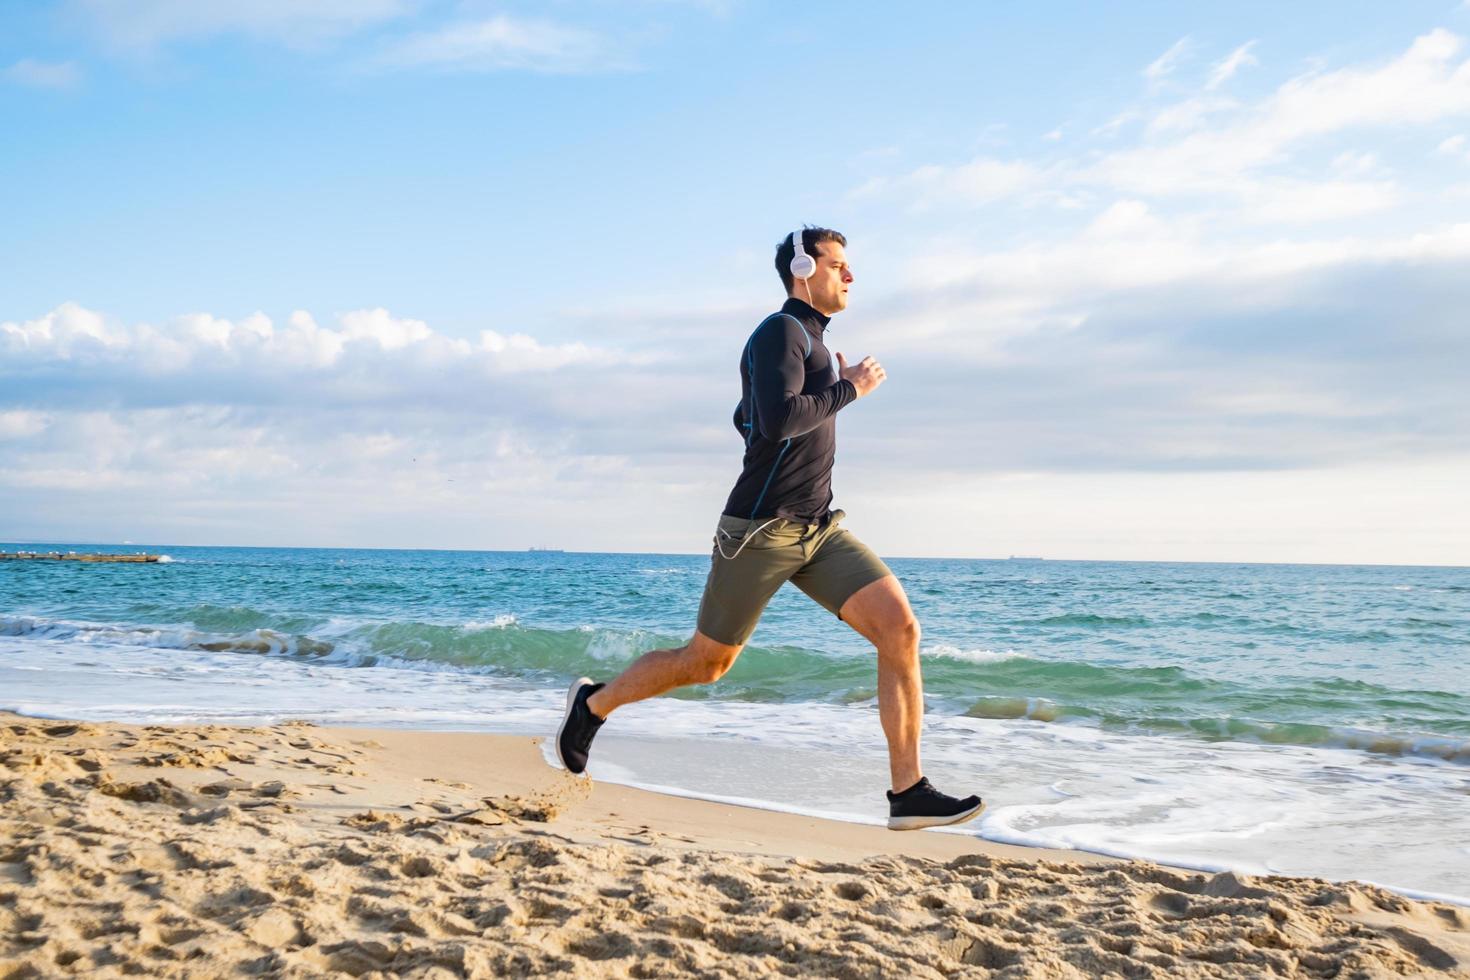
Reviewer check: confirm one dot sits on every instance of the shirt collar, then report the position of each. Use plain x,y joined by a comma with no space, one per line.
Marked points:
803,311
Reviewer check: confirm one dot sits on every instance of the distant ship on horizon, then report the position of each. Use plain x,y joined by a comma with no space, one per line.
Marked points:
550,551
1026,558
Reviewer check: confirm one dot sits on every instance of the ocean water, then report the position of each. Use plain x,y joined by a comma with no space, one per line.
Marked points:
1291,719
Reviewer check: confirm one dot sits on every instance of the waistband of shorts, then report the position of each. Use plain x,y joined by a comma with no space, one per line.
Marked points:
783,523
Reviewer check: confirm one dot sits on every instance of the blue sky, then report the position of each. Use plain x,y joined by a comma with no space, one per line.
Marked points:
1151,280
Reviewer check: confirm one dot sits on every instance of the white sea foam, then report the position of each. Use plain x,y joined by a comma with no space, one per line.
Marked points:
611,645
973,656
165,559
500,622
258,641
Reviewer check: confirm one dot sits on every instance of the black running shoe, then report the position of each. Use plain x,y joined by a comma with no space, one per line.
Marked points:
574,737
921,805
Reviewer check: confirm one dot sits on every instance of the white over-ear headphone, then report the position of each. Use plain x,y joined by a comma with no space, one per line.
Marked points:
802,265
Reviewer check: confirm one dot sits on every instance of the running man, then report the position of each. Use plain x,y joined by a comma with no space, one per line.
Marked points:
776,527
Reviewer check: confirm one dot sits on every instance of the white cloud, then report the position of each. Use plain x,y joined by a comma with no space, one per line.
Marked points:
1225,69
1303,202
502,43
1357,163
981,181
1126,249
1423,85
390,332
43,74
1189,114
146,23
1455,146
1112,126
1166,63
305,343
364,340
244,424
65,332
1125,219
1249,160
526,353
21,424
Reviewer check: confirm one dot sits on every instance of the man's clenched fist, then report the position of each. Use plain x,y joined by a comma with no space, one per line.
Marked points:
866,375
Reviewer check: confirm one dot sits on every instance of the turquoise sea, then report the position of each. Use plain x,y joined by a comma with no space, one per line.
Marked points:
1288,718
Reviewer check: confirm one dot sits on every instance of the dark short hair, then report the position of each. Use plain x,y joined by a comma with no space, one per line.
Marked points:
810,239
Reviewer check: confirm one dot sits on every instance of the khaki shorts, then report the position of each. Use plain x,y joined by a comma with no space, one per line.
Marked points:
823,560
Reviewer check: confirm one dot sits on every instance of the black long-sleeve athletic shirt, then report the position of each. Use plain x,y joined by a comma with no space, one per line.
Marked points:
790,396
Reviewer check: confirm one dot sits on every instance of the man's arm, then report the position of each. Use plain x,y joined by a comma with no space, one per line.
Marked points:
778,372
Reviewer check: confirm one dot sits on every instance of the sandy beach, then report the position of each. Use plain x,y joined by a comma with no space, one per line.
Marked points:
296,850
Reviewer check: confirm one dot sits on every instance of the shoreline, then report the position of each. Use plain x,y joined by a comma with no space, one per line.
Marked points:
301,850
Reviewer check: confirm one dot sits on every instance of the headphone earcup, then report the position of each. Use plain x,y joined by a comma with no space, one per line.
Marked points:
803,266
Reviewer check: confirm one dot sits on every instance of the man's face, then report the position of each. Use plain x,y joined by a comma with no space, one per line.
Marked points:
829,283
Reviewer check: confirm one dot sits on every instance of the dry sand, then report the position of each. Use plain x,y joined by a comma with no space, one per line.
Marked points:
304,851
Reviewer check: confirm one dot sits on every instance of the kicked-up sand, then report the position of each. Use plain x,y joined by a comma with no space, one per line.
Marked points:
299,851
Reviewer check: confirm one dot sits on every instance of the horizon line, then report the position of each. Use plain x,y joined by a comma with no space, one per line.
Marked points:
690,554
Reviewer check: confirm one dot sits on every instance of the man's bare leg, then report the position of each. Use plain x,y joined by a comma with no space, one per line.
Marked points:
880,611
700,661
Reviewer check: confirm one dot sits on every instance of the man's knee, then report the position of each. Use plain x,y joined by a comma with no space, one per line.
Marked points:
880,612
710,659
899,636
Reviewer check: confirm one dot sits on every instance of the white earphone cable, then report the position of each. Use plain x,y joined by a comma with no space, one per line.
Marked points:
744,541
